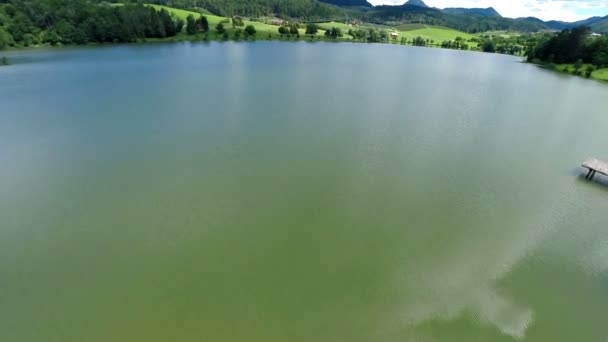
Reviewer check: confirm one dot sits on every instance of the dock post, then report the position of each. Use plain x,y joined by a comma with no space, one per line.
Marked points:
595,166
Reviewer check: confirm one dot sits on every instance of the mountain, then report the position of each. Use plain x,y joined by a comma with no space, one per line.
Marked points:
471,23
557,25
418,3
532,20
600,26
589,21
348,3
486,12
472,20
551,24
597,24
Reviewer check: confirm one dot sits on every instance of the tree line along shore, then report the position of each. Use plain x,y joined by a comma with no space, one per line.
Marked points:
25,23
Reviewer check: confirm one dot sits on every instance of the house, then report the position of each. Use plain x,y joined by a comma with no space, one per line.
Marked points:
394,35
277,22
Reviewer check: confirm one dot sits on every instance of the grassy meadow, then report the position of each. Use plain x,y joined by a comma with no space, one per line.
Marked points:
267,31
435,33
599,74
264,31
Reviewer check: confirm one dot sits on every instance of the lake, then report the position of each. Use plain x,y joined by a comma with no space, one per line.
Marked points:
299,192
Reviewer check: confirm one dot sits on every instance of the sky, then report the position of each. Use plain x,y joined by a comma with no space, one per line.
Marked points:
566,10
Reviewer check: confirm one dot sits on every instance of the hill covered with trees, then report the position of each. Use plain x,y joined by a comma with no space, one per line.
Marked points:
30,22
572,46
486,12
348,3
471,22
309,9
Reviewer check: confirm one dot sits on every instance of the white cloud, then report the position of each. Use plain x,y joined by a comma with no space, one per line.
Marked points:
567,10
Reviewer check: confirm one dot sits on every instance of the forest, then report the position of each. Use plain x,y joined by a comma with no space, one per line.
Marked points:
303,9
316,10
31,22
575,45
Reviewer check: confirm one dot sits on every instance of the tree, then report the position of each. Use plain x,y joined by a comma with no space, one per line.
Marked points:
383,36
237,22
283,30
488,46
293,29
312,29
589,70
6,39
334,33
168,23
203,24
179,25
419,41
191,25
220,28
250,30
51,37
21,26
373,35
237,34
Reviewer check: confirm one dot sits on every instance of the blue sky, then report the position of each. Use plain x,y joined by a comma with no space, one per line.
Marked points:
567,10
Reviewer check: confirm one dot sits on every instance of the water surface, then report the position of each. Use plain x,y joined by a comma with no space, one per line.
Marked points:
299,192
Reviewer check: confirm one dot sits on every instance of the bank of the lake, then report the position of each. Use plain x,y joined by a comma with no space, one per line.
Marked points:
588,71
150,22
298,192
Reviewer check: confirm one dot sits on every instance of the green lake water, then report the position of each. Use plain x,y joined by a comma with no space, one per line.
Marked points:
299,192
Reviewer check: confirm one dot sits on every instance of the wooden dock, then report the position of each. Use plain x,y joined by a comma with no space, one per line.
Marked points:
594,165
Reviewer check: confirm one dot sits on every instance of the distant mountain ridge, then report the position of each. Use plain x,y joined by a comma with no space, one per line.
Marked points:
466,19
348,3
471,20
418,3
486,12
597,24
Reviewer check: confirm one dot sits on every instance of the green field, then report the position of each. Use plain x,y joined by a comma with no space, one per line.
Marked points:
502,34
410,27
267,31
600,74
433,33
409,31
342,26
263,30
437,33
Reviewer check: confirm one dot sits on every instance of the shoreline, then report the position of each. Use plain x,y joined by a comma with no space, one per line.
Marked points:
210,38
597,74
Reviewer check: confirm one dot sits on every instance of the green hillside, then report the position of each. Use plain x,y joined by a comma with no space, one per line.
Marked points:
438,34
263,30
